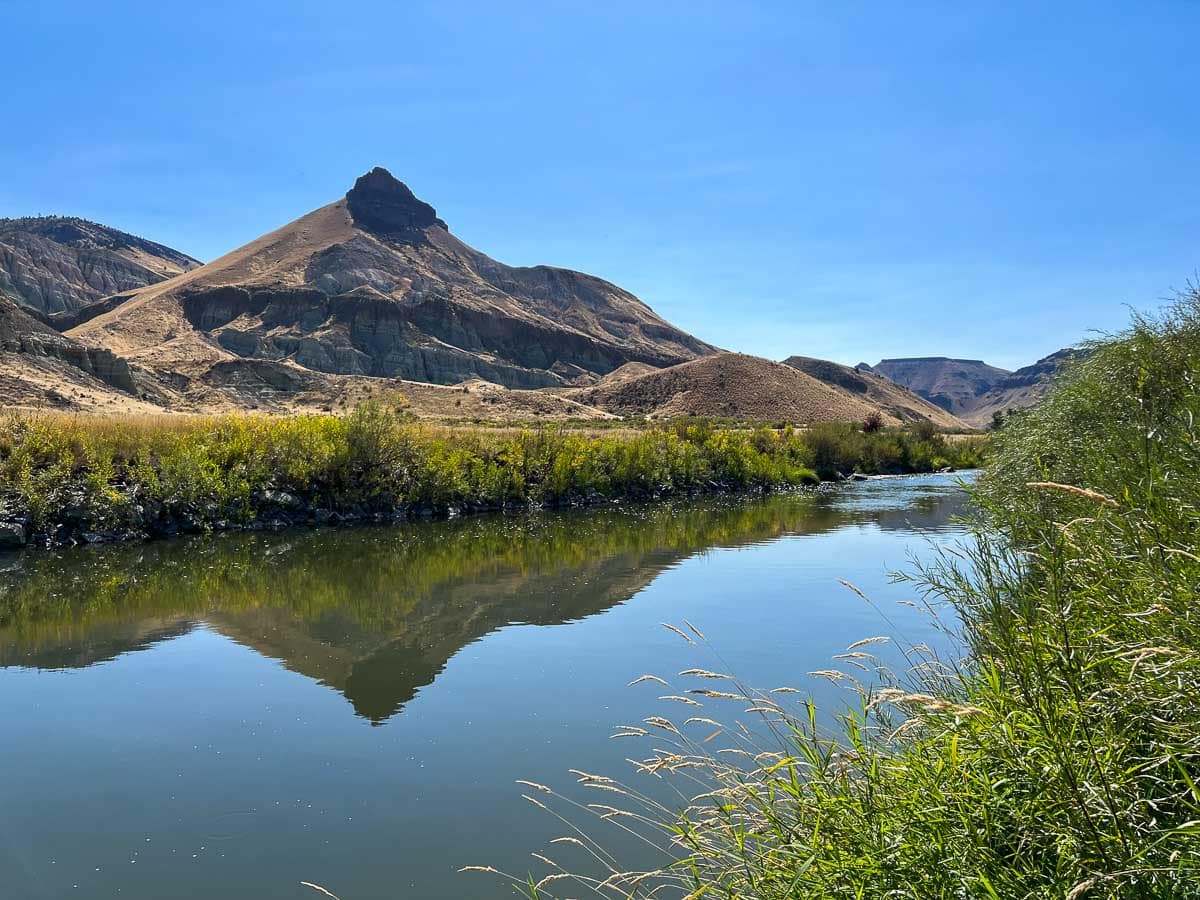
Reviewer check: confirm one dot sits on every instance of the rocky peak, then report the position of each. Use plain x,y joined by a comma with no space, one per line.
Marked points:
381,203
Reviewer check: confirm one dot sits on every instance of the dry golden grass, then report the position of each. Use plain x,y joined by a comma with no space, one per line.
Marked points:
731,385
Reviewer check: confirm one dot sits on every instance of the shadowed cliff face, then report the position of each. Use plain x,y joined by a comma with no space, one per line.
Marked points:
376,613
21,335
57,264
364,332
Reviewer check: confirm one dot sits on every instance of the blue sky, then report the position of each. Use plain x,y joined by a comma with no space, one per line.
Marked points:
850,181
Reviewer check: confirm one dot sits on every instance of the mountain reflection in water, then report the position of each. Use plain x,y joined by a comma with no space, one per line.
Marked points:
375,613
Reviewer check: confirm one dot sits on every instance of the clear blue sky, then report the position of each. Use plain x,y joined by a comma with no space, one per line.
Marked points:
840,180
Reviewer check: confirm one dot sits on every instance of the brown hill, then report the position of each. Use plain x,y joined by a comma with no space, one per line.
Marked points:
732,385
1022,388
58,264
626,372
876,390
375,285
952,384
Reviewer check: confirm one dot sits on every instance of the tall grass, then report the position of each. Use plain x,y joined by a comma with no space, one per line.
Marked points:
64,476
1060,757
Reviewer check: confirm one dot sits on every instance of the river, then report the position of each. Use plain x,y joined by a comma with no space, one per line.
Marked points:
227,716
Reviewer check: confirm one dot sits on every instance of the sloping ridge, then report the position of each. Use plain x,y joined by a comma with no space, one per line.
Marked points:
1023,388
952,384
58,264
730,385
877,390
374,284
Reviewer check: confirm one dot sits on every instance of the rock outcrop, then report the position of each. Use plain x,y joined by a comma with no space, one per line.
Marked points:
22,334
57,264
376,285
380,203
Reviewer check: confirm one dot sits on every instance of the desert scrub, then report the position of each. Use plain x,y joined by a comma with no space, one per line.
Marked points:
1059,757
64,478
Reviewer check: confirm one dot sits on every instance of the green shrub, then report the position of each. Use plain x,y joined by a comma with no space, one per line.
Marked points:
217,470
1059,758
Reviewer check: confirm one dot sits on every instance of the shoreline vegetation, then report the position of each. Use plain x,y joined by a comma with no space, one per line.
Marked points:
1059,757
89,479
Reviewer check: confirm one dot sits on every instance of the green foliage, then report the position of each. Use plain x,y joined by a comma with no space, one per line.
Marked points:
378,580
843,448
1061,756
140,474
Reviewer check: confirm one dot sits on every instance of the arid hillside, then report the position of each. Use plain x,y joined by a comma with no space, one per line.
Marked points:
372,296
1020,389
375,285
877,390
58,264
952,384
40,367
732,385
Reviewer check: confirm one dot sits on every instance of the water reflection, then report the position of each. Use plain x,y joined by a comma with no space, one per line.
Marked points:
376,613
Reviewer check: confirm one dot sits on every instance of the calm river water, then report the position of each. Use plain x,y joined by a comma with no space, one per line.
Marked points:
228,716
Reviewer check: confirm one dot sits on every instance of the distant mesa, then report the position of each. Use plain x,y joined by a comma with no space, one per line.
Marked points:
890,398
952,384
973,390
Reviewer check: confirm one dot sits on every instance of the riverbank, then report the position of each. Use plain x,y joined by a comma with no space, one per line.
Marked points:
1060,757
85,479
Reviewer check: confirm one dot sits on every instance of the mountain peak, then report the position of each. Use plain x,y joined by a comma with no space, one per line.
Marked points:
381,203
